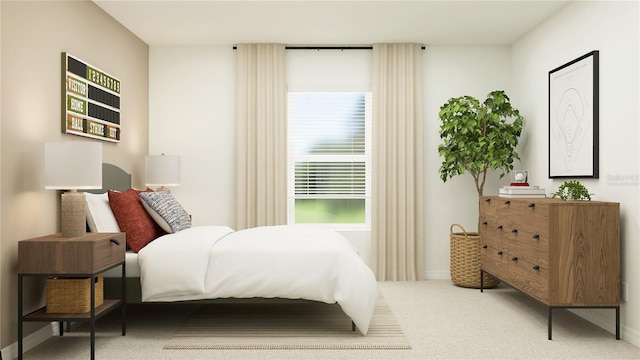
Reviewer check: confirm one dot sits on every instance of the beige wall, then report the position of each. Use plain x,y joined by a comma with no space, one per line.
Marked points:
33,36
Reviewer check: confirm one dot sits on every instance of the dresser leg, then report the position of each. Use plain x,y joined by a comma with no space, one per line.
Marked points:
617,322
481,280
93,340
20,316
549,322
92,320
124,299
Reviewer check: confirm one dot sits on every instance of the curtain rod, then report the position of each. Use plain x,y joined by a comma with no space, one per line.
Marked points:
328,47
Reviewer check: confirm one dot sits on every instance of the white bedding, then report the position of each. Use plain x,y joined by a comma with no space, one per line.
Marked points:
132,269
293,262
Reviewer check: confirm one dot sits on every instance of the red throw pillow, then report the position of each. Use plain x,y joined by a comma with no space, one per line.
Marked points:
133,219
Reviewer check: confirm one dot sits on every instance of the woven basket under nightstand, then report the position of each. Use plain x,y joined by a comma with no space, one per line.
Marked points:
73,295
465,260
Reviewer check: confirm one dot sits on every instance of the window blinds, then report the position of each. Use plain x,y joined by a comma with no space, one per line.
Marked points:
329,136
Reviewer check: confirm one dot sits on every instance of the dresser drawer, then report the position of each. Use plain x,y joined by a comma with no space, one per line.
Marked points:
533,247
494,261
492,233
531,278
531,219
495,207
109,251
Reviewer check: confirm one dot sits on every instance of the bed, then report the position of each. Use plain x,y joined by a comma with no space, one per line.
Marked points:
217,262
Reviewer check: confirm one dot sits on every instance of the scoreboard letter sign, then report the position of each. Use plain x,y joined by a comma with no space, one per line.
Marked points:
90,100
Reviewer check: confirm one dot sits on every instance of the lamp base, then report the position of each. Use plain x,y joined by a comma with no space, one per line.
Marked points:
73,215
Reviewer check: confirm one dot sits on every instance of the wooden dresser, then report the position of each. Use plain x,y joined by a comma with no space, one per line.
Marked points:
565,254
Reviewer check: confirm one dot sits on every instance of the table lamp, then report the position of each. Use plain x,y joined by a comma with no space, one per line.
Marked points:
162,171
73,166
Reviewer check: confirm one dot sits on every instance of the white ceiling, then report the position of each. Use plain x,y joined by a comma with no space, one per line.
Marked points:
329,22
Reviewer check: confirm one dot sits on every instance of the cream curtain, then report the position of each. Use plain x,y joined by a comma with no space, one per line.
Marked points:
397,195
261,135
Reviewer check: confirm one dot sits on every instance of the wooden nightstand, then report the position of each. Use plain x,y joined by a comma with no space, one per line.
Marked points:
71,257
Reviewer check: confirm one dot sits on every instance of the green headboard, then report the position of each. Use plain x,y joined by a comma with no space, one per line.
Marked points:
113,178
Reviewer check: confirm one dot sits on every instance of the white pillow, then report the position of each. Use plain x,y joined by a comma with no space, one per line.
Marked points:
166,211
99,215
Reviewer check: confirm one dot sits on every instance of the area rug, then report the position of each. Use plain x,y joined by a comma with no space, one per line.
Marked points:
295,325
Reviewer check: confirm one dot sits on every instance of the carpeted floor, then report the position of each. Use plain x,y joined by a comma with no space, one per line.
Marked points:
296,325
439,320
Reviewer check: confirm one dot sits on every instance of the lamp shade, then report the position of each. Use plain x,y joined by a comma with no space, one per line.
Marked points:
162,170
73,165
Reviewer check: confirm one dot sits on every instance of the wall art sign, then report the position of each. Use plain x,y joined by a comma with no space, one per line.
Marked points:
573,118
90,100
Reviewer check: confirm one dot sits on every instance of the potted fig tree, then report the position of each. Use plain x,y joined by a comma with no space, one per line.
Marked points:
477,138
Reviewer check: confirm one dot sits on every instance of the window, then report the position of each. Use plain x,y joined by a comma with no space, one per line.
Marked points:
329,158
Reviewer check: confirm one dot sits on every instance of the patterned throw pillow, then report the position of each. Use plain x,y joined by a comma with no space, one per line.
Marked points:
133,219
166,211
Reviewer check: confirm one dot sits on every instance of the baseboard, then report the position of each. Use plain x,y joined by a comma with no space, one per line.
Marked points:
606,319
630,335
30,341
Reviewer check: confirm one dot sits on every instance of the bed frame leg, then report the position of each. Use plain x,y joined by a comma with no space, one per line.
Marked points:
353,326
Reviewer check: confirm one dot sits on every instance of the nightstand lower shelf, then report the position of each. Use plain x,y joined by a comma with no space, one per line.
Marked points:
42,314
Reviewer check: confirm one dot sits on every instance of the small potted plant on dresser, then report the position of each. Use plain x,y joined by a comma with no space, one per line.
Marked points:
476,138
572,190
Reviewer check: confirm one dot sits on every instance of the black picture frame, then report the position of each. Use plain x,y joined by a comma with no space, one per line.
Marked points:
90,100
574,118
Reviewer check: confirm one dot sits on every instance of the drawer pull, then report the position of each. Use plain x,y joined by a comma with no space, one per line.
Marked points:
514,231
536,267
536,236
487,200
532,205
507,202
499,227
114,241
485,246
484,223
499,252
514,259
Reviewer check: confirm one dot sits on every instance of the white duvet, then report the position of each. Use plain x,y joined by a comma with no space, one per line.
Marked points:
292,262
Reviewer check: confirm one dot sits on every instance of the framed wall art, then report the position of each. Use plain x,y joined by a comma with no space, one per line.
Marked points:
573,118
90,100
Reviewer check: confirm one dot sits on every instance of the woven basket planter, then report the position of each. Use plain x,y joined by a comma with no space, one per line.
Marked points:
465,260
